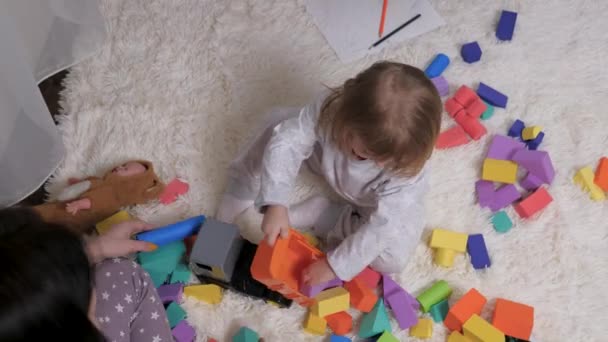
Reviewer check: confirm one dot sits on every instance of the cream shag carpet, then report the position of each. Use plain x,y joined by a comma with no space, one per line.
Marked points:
183,83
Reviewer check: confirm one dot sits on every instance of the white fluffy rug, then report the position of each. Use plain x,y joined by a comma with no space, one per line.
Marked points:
183,83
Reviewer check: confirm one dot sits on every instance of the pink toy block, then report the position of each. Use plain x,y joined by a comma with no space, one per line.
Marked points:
504,196
172,190
452,107
531,182
470,125
485,192
369,277
476,108
503,147
171,293
537,163
312,290
452,137
402,310
183,332
534,203
390,287
465,96
442,85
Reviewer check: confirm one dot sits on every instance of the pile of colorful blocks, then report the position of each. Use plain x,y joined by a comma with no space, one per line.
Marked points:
594,185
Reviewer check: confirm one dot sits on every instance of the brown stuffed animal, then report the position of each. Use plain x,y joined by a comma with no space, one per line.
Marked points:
84,203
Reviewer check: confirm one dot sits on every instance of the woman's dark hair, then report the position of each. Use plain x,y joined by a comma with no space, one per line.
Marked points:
45,281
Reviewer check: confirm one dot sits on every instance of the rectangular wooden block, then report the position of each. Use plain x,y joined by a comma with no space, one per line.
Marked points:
443,238
534,203
452,137
513,319
471,303
503,171
506,25
314,324
208,293
492,96
601,174
331,301
479,330
424,328
103,226
478,251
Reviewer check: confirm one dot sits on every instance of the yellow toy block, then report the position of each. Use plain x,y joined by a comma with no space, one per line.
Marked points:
444,257
314,324
479,330
311,239
209,293
503,171
103,226
531,132
455,336
584,177
443,238
331,301
424,328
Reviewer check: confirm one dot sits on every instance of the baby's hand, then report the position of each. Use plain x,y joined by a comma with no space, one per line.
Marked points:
318,272
276,221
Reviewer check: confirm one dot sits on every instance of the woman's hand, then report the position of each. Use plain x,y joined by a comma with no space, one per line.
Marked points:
276,221
318,272
117,241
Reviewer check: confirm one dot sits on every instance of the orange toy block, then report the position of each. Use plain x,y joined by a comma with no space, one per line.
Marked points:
369,277
280,266
452,137
362,297
513,319
534,203
471,125
601,174
471,303
340,323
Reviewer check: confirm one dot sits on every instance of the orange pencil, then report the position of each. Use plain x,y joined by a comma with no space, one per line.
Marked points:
381,29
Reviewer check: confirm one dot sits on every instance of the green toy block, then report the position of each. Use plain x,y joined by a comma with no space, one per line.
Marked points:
164,258
375,322
501,221
488,112
439,311
433,295
158,277
175,313
387,337
245,335
181,274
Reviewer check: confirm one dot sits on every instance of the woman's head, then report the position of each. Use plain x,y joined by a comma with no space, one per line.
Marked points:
390,113
45,281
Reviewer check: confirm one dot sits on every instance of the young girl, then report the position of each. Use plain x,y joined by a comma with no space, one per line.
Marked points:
370,140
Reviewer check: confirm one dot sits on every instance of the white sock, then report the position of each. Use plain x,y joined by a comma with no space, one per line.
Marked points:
231,207
308,213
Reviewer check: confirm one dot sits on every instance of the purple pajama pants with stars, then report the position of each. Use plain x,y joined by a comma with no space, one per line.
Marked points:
128,306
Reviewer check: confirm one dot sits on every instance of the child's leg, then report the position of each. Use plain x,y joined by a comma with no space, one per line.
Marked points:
317,212
128,306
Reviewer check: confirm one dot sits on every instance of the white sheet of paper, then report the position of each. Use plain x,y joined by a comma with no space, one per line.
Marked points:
351,26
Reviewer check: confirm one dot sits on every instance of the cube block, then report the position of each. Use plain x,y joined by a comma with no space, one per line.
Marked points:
501,222
534,203
492,96
331,301
369,277
516,129
513,319
471,52
503,171
469,304
340,323
476,247
424,328
441,84
362,297
479,330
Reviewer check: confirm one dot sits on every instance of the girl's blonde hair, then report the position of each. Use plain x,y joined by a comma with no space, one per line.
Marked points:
393,108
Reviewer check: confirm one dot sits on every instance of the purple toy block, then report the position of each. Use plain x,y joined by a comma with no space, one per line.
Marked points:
504,196
402,309
390,287
531,182
534,143
492,96
516,129
506,25
183,332
476,247
537,163
313,290
171,293
442,85
485,192
471,52
503,147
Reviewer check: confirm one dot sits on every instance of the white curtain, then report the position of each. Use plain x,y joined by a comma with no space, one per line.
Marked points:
37,39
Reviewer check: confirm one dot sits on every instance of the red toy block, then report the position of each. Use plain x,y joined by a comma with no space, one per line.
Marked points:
341,323
370,277
452,137
172,190
465,96
601,174
470,125
471,303
452,107
476,108
513,319
362,297
534,203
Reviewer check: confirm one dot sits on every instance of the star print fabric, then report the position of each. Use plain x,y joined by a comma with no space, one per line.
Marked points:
128,306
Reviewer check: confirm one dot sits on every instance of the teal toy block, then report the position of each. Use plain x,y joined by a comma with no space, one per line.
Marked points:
501,221
488,113
375,322
175,313
337,338
245,335
439,311
164,258
158,277
181,274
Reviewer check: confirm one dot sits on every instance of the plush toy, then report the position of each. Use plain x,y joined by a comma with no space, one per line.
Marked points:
85,202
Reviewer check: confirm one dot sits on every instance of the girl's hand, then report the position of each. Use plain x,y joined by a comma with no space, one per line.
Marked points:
75,206
276,221
318,272
117,242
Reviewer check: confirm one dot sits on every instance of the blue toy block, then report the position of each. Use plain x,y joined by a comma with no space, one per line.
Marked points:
492,96
506,25
175,314
181,274
337,338
164,258
534,143
439,311
246,335
476,247
501,222
437,66
488,113
516,129
471,52
375,322
173,232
